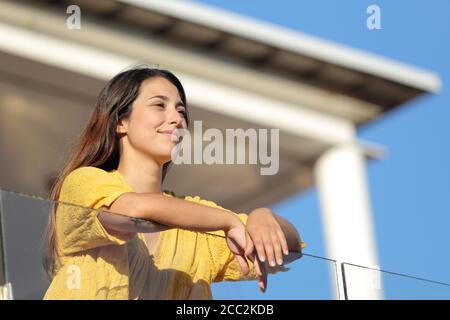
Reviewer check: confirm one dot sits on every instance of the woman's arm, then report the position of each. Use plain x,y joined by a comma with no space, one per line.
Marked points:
174,212
166,212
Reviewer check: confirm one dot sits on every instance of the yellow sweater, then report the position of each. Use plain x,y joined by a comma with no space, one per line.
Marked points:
95,264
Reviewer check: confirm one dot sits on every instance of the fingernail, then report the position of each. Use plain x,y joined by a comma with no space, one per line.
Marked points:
263,259
280,262
272,263
286,253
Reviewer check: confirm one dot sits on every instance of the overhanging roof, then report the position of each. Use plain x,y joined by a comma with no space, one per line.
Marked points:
288,41
265,46
308,71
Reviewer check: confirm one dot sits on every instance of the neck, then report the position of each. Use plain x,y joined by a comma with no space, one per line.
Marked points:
143,175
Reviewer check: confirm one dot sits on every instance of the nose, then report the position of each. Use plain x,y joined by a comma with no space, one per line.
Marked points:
175,117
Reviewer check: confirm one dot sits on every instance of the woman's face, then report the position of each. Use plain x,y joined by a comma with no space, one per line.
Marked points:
157,110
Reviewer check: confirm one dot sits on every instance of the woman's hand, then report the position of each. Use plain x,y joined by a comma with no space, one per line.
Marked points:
237,241
267,236
241,245
260,267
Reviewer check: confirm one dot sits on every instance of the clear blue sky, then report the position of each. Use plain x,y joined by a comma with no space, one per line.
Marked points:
410,187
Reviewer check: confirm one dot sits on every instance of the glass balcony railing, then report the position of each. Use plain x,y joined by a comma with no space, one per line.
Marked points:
310,278
371,283
23,220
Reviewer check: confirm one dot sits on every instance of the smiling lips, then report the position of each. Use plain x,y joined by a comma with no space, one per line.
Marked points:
173,134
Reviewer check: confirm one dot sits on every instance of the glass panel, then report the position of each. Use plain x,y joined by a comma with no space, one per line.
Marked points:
23,222
309,278
24,218
2,253
370,283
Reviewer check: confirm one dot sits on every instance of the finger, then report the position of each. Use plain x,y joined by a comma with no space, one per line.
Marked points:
261,285
259,245
257,264
268,247
242,264
277,249
262,281
249,246
259,272
265,276
283,241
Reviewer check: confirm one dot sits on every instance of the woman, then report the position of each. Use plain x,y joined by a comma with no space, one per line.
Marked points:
118,165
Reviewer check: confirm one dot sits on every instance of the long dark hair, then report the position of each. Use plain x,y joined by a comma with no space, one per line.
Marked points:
98,144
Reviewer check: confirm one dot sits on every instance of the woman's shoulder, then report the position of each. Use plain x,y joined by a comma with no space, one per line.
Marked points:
89,181
87,171
89,175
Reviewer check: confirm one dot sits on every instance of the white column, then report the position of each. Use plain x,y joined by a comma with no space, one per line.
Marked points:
347,219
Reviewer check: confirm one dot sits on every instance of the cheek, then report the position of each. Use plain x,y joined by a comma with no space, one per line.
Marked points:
152,120
148,122
142,133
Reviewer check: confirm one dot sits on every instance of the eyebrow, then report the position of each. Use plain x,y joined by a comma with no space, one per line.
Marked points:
179,103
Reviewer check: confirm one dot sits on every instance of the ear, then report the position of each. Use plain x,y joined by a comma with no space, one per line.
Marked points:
122,126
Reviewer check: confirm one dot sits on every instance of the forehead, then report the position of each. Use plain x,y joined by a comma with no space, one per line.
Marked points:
159,86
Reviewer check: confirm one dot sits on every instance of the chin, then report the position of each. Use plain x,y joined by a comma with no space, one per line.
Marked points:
164,152
164,158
